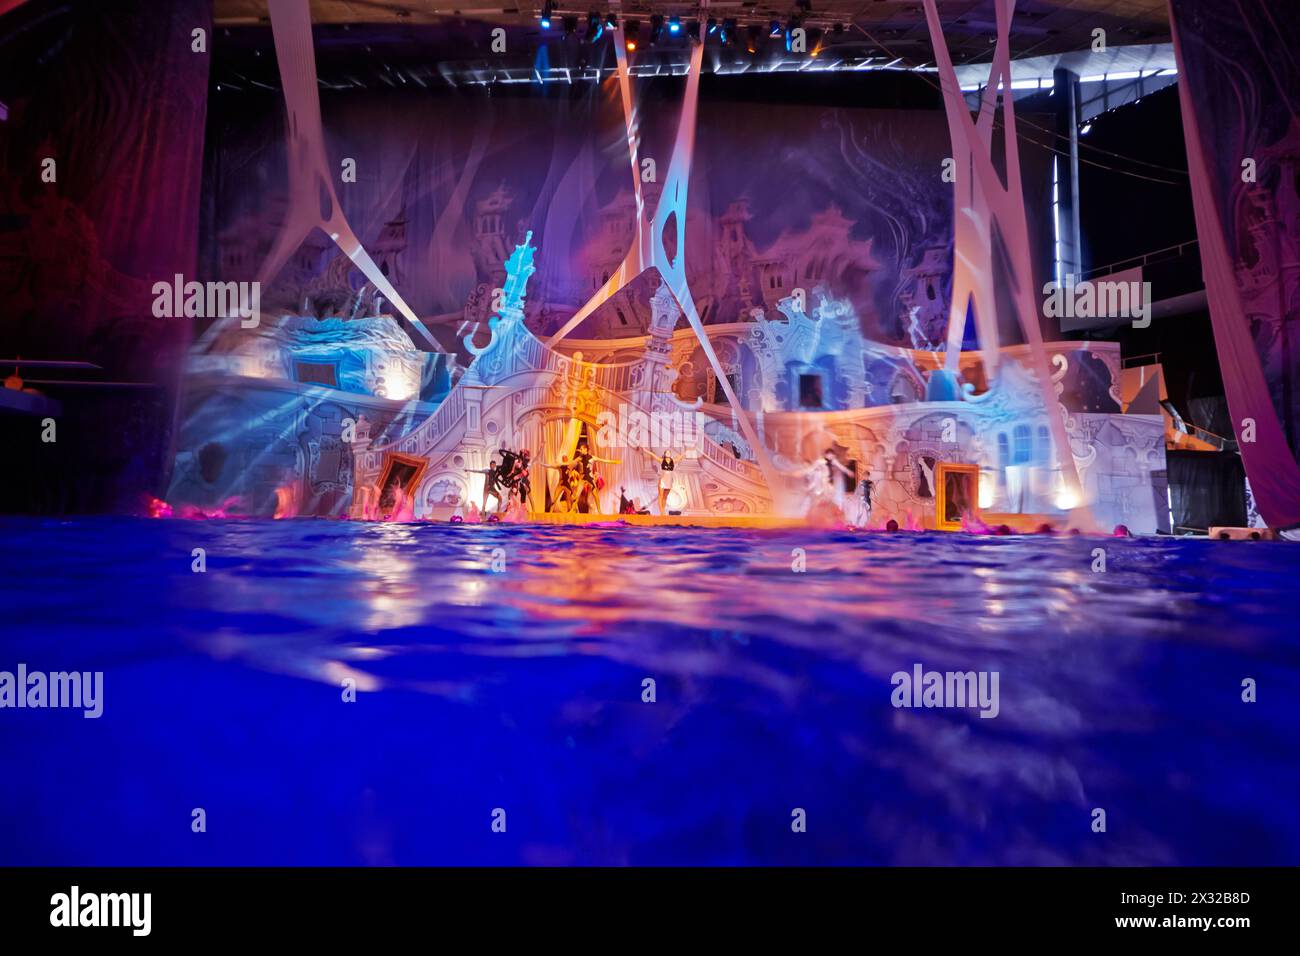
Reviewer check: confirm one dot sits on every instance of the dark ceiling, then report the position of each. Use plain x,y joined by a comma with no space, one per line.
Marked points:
1039,26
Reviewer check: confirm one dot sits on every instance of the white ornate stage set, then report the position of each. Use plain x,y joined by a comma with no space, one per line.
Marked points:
1010,434
518,393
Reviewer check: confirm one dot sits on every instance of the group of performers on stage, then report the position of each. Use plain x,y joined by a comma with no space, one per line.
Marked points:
506,480
828,484
579,483
578,486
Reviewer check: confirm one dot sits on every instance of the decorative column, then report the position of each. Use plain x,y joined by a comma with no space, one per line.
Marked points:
658,349
363,470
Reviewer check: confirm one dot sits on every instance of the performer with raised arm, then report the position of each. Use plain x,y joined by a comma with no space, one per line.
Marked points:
491,483
820,476
562,498
590,482
836,482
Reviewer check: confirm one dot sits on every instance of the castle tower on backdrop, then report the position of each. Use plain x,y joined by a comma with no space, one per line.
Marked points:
923,305
388,248
491,236
736,249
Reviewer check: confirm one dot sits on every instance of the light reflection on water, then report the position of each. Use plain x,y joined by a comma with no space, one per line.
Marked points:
479,689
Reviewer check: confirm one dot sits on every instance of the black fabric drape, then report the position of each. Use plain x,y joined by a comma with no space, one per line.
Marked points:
1207,488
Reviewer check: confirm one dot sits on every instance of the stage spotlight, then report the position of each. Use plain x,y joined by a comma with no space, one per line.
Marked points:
595,26
712,24
546,15
728,34
674,24
774,29
611,21
1085,129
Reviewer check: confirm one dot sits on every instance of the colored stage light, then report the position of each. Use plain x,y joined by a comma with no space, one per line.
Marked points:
674,24
546,16
712,24
774,29
631,46
595,26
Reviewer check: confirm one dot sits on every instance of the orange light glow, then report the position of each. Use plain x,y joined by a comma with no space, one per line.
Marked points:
631,46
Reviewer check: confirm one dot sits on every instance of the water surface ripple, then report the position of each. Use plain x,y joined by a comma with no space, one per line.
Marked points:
521,689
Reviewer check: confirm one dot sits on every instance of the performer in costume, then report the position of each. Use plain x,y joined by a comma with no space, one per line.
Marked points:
491,483
666,466
836,481
864,497
562,499
821,485
508,461
522,483
589,481
513,466
629,506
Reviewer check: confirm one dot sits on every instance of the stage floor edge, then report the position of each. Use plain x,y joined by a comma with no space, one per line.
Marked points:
650,521
1018,523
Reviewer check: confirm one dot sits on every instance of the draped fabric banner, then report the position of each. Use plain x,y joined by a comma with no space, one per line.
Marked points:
100,180
1239,83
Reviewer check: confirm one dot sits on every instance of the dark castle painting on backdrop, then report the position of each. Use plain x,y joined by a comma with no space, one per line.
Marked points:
781,197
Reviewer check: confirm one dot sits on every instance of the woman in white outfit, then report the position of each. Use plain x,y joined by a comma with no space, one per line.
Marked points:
666,466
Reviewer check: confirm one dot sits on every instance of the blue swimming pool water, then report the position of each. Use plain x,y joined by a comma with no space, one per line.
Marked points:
522,690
